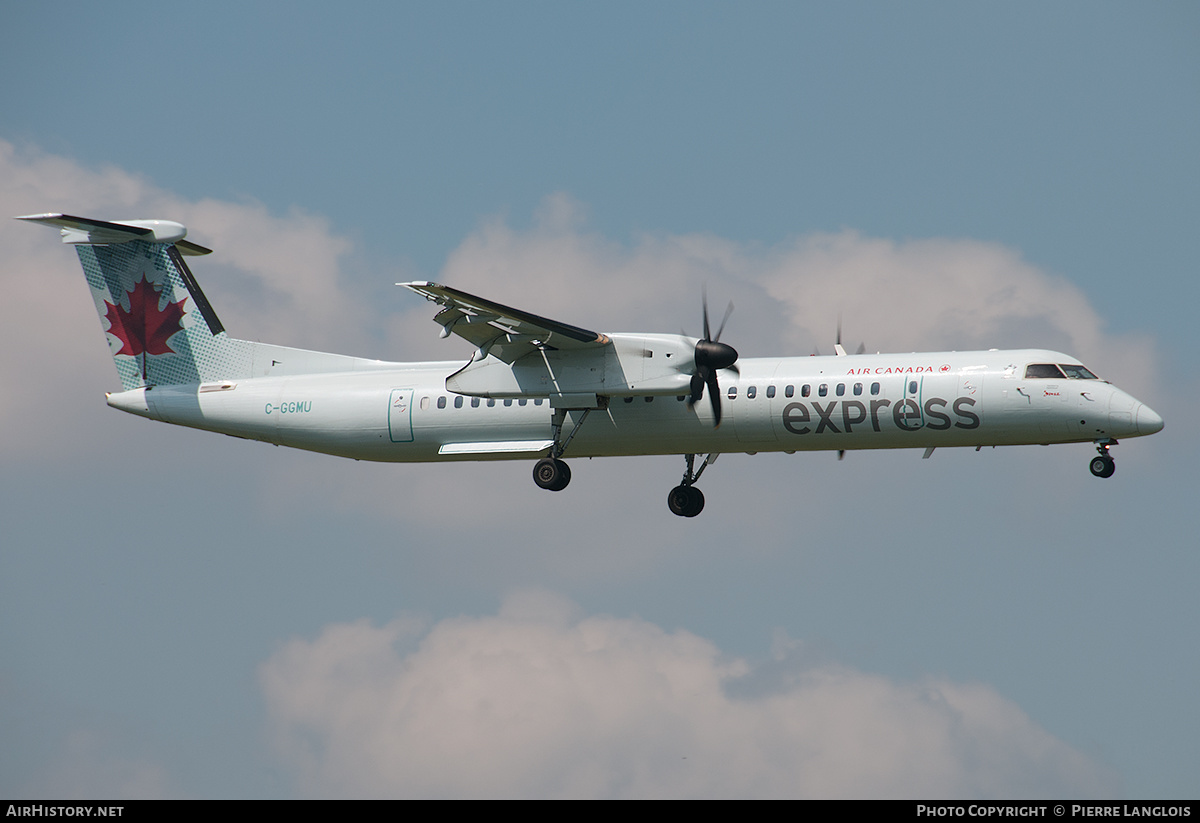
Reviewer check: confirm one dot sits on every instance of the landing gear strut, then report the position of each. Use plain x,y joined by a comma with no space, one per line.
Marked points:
1104,465
550,472
685,499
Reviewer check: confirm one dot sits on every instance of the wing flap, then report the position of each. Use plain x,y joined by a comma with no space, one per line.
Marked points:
502,331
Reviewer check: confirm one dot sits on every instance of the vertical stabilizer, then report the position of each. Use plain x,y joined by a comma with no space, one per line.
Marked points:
160,327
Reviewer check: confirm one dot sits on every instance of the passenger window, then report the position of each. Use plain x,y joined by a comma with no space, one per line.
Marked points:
424,403
537,401
857,389
474,402
441,402
508,401
789,391
751,392
491,402
823,389
650,399
874,388
732,392
522,401
1040,371
841,389
770,391
458,402
805,390
627,399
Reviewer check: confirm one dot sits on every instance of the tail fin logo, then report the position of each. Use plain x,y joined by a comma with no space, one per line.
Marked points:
145,328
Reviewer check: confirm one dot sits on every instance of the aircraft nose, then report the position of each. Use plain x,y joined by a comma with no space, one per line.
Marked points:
1147,420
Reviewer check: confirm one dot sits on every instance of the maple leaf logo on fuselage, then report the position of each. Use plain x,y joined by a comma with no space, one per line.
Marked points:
145,328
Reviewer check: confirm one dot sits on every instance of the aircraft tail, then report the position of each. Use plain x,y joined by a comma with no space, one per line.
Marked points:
160,327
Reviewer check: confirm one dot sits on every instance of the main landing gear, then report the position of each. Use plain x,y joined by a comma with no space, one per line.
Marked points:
551,473
685,499
1104,465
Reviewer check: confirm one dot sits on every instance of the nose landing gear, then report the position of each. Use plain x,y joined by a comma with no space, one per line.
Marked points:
1103,465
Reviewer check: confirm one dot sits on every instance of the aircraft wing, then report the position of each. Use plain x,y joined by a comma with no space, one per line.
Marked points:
504,332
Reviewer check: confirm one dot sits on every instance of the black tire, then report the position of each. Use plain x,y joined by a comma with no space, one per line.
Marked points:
1103,466
564,476
677,500
685,501
551,474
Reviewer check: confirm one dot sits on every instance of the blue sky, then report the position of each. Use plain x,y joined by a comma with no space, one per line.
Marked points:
179,611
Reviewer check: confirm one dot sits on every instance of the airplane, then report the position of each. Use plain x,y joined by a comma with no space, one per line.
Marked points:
537,389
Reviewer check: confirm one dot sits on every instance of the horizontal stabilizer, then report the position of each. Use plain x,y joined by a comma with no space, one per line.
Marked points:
86,231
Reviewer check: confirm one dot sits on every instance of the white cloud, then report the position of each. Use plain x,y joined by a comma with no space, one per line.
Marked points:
560,269
540,701
939,294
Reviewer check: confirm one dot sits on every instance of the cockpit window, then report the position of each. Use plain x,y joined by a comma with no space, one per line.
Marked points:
1042,370
1078,372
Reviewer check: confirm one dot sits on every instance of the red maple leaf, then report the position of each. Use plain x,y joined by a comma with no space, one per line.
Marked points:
145,328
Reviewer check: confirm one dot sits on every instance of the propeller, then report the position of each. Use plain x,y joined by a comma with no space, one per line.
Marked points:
837,346
711,356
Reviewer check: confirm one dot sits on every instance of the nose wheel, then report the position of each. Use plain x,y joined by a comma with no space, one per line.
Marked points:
1103,465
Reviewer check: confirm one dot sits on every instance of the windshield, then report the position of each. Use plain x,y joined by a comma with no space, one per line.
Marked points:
1041,370
1049,371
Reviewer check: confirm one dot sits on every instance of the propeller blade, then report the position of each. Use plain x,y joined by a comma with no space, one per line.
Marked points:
711,356
721,328
714,396
697,388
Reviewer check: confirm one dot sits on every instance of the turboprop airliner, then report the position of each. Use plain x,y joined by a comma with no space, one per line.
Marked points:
539,390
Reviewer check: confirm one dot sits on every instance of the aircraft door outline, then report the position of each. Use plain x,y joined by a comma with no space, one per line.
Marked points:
400,416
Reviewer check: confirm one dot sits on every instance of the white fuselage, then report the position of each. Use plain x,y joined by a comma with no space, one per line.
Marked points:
403,412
